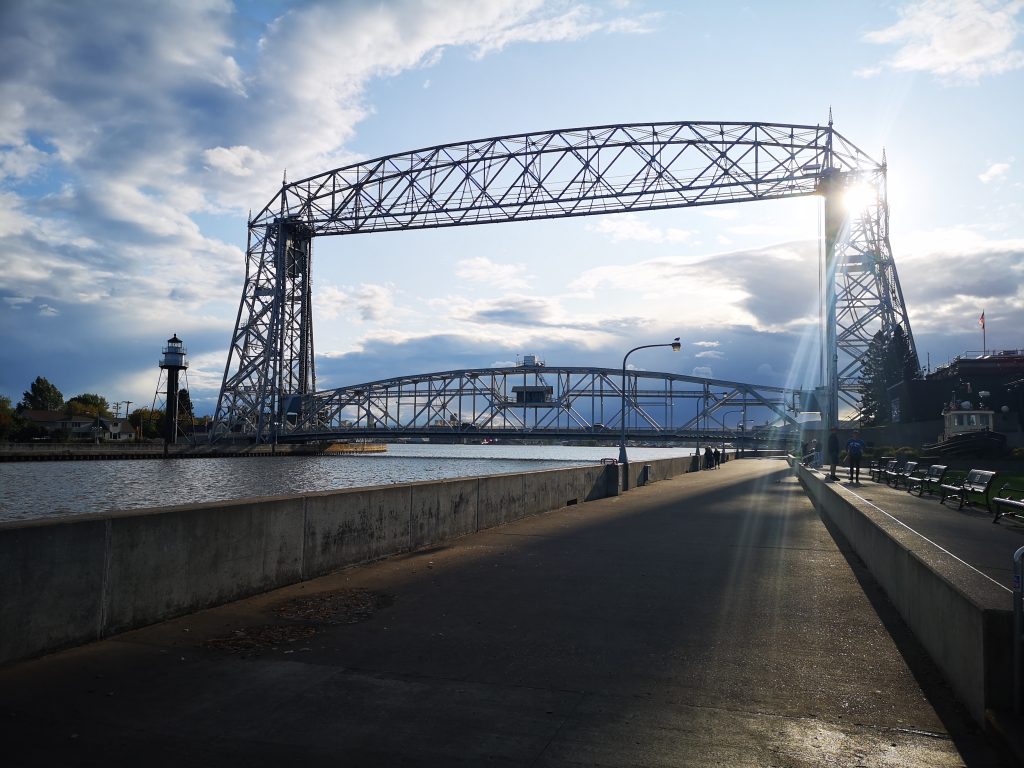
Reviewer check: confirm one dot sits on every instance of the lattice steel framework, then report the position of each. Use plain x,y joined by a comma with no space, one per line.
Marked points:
577,172
537,400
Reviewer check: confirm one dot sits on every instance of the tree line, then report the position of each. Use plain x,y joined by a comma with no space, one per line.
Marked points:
42,395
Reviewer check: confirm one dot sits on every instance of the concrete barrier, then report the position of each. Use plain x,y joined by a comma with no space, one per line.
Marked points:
960,617
68,581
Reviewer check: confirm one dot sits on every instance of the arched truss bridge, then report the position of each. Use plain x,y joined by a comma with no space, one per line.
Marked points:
537,401
270,371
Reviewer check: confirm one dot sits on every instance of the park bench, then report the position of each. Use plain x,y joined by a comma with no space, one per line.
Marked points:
878,468
1008,502
975,485
928,483
908,471
893,472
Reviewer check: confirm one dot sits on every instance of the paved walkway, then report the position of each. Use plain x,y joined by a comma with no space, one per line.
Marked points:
707,620
968,534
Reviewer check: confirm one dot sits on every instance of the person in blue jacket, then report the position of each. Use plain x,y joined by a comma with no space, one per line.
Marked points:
854,454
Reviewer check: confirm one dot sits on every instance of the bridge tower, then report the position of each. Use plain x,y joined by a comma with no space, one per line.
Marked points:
861,288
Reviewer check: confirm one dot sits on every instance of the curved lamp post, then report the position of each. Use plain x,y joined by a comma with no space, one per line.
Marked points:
725,426
676,346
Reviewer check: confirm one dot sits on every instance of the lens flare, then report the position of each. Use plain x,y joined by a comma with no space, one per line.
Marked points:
857,197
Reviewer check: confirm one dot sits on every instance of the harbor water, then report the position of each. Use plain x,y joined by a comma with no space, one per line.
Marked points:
30,490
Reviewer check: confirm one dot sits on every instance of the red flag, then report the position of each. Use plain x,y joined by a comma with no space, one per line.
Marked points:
981,320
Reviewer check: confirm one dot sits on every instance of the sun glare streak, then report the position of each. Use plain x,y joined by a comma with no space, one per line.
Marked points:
764,532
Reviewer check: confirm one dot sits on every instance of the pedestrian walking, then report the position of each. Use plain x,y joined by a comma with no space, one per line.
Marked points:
718,458
854,453
709,458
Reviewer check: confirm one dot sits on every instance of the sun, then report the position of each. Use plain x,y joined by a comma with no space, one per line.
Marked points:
858,196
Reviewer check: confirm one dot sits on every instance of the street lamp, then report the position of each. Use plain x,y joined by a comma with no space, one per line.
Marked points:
725,426
676,346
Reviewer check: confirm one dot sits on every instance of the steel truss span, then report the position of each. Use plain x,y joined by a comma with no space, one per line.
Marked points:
539,401
270,369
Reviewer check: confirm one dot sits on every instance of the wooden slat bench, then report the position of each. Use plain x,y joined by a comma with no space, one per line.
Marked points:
1008,502
975,485
930,482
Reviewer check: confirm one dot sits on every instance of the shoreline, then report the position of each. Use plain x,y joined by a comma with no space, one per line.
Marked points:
15,452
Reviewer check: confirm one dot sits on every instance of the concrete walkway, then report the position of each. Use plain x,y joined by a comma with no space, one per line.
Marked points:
967,533
707,620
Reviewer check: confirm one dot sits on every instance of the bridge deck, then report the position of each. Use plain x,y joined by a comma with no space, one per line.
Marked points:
710,619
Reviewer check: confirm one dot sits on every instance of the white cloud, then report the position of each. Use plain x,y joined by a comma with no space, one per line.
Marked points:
960,40
237,161
374,302
955,240
704,371
868,72
300,71
950,275
995,171
576,22
627,226
21,161
480,269
769,288
369,302
145,121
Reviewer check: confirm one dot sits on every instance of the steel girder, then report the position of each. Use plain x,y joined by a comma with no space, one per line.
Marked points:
575,172
539,400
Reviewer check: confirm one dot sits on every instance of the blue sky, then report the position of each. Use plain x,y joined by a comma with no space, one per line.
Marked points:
136,136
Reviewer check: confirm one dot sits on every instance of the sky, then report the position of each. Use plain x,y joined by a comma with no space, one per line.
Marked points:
136,137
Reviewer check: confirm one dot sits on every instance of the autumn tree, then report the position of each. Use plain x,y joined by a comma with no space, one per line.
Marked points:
89,404
7,418
147,422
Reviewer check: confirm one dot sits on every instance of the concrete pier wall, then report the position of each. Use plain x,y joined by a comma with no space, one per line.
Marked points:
69,581
961,618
